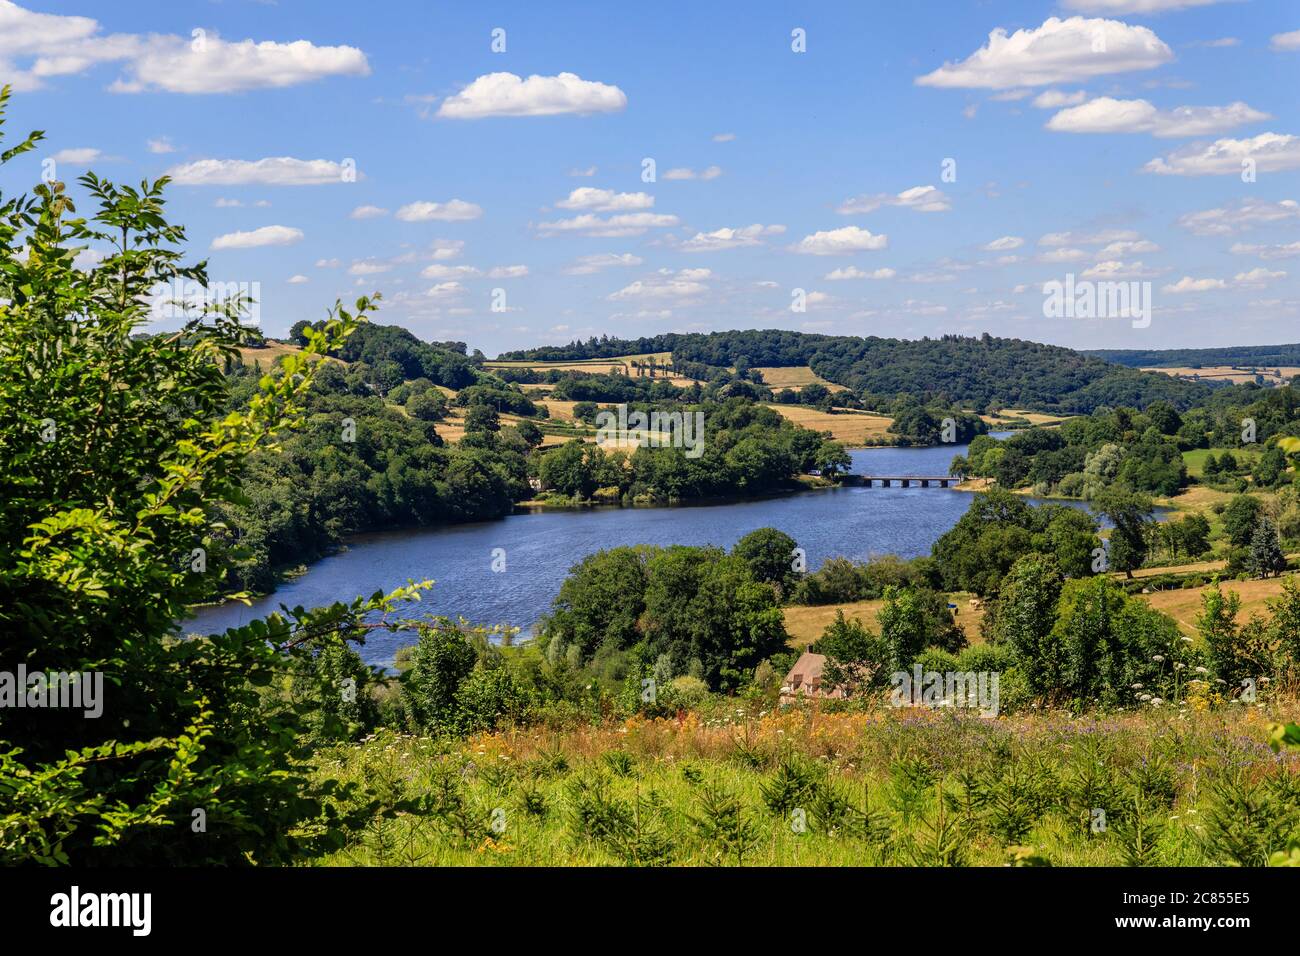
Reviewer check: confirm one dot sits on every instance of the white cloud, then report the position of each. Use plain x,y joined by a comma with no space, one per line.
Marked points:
618,226
447,248
439,271
445,290
1278,251
1116,269
272,171
838,242
1127,247
583,173
211,65
589,265
605,200
853,272
666,284
723,137
1258,277
505,94
368,212
1054,99
298,279
328,263
507,272
1285,42
1272,152
1064,254
265,236
1188,284
1004,244
1107,115
1060,51
1135,6
454,210
920,198
162,144
368,267
1087,239
1238,217
682,172
727,238
79,156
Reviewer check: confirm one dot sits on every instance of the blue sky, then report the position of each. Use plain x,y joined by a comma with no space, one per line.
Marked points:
501,198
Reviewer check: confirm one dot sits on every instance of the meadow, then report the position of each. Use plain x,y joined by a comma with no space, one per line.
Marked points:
743,785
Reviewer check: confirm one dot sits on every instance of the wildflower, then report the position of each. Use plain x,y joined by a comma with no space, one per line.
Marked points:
1179,666
1202,670
1156,701
1158,658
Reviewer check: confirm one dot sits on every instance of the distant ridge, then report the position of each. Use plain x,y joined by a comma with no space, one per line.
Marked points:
1226,355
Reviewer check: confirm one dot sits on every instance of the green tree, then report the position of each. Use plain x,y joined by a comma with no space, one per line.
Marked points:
1130,513
856,659
1239,519
1266,557
902,626
1024,617
115,448
770,555
442,659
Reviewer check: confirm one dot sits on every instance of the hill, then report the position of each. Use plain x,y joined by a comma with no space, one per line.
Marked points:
983,371
1230,355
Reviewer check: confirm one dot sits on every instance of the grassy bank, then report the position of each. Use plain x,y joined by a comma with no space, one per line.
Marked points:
1172,786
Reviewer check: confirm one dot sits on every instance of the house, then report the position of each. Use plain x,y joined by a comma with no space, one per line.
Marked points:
805,679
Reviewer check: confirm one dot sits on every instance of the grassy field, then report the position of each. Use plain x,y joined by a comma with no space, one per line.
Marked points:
272,353
743,785
1273,375
1195,459
1034,418
850,427
621,364
795,377
805,624
1184,604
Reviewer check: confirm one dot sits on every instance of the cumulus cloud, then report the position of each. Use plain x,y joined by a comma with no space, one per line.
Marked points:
666,284
212,65
1060,51
920,198
297,279
1258,277
1285,42
727,238
682,172
1238,217
1054,99
442,249
1276,251
1126,247
505,94
507,272
454,210
162,144
1004,244
368,212
440,271
589,265
723,137
588,198
445,290
79,156
1102,237
838,242
853,272
272,171
1107,115
369,267
617,226
1117,269
1188,284
266,236
1271,152
35,47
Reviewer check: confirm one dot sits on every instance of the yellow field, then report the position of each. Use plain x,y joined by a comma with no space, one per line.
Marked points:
806,624
619,363
1034,418
795,377
853,428
1184,604
272,353
1273,375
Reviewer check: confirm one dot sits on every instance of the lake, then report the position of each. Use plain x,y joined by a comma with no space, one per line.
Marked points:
541,546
